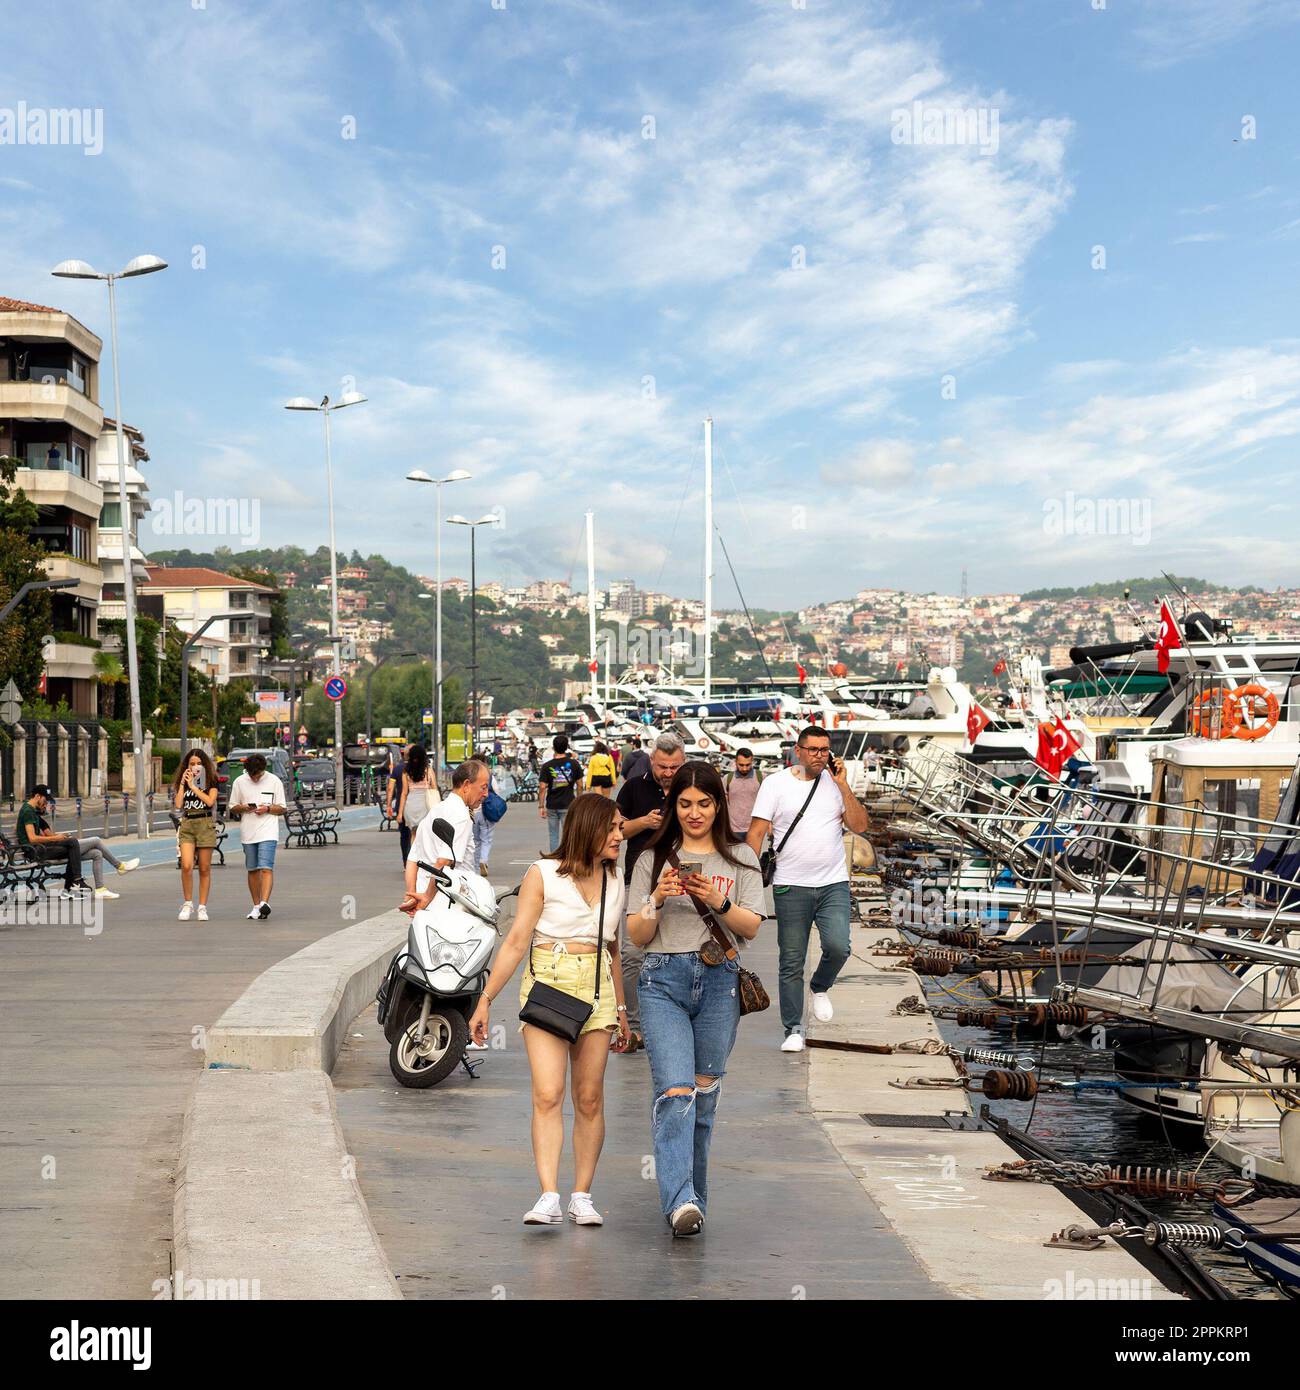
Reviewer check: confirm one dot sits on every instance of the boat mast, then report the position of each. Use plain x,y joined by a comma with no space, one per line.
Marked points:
591,603
708,556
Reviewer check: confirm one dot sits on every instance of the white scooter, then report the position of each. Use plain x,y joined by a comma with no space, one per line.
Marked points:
433,984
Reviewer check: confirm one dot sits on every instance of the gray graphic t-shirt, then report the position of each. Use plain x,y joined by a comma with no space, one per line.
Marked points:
681,928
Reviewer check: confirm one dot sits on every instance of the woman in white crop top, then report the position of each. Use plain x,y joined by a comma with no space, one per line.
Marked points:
556,928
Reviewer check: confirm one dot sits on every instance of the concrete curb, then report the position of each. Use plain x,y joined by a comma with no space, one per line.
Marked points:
267,1201
975,1238
293,1016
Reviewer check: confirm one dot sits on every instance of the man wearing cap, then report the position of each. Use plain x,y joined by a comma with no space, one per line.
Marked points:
38,841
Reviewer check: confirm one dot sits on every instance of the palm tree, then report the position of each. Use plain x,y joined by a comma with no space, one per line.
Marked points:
109,674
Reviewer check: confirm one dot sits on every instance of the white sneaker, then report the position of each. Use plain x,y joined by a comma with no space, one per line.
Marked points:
106,893
203,913
687,1220
793,1043
583,1211
184,914
127,865
546,1211
821,1008
255,915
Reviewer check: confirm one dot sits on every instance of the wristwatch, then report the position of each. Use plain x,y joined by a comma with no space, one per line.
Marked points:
649,908
725,906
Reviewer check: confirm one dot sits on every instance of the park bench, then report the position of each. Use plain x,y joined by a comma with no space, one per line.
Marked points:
309,825
25,869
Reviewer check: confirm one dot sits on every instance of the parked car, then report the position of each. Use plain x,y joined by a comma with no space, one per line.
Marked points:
315,778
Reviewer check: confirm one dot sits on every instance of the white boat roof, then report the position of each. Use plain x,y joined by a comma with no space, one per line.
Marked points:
1227,752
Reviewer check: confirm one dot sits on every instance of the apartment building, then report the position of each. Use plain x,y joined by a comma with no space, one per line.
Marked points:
113,601
50,419
191,595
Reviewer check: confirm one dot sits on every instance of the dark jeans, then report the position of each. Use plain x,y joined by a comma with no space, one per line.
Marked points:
69,850
797,909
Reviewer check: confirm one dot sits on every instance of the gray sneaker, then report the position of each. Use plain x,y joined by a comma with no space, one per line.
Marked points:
687,1220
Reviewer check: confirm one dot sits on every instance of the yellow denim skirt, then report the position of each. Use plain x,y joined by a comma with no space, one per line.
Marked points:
574,975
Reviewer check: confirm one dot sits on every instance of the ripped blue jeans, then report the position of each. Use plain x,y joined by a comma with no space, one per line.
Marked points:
689,1012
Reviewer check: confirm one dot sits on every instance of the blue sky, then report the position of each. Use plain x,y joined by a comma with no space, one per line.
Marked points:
907,396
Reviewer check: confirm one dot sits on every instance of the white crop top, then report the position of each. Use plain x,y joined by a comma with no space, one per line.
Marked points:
566,914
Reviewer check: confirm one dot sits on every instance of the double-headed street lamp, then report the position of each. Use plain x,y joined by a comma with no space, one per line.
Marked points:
418,475
79,270
473,620
326,408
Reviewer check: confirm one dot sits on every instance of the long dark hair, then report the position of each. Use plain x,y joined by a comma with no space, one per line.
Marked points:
209,772
668,838
417,763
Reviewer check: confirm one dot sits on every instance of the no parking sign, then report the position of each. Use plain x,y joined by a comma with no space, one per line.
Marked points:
335,688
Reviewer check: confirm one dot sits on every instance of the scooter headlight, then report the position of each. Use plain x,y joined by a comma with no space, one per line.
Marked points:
450,953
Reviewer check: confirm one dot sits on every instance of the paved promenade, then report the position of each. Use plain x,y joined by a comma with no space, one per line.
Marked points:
97,1057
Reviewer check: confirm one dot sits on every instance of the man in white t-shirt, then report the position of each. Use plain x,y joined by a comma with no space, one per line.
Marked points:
469,789
258,798
811,883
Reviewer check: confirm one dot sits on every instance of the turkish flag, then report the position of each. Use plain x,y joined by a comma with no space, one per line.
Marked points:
1170,638
900,667
1055,745
976,722
593,667
803,675
999,666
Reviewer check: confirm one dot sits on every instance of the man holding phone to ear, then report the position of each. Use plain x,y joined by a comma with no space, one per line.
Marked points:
806,809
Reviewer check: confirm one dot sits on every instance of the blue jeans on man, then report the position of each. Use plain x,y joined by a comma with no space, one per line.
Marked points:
554,824
797,909
690,1012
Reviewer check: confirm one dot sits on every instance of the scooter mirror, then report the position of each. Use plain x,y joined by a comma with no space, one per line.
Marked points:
443,831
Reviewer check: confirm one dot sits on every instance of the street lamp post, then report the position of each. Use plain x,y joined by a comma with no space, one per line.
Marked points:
79,270
31,585
190,640
326,408
418,475
473,622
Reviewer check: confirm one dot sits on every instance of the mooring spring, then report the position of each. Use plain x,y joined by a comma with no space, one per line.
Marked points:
932,965
1039,1014
1156,1182
990,1057
1193,1235
1009,1085
980,1018
1063,955
951,936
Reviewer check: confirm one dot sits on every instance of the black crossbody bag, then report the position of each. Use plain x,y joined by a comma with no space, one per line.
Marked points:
556,1011
767,860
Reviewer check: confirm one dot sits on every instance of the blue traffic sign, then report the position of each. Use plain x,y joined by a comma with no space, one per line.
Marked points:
336,688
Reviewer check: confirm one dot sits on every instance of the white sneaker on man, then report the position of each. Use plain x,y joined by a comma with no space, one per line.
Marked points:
793,1042
184,914
127,865
582,1210
546,1211
821,1008
687,1220
255,915
203,913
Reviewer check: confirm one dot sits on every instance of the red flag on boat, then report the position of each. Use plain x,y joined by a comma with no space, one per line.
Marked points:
1055,745
803,675
593,667
1170,638
976,722
999,666
900,667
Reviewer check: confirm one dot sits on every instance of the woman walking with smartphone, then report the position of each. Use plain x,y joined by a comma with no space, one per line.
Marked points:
194,795
696,869
566,924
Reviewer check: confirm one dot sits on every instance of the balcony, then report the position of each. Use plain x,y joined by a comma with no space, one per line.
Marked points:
56,487
39,400
70,661
89,579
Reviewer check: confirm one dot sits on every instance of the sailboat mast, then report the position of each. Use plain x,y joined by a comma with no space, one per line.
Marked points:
708,557
591,602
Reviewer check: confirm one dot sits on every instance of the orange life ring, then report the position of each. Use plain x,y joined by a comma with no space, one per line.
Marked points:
1253,693
702,742
1221,717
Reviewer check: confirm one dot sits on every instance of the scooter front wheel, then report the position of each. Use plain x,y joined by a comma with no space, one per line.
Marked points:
426,1061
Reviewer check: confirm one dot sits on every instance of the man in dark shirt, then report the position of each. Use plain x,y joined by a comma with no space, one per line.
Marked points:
641,801
634,761
38,841
557,784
